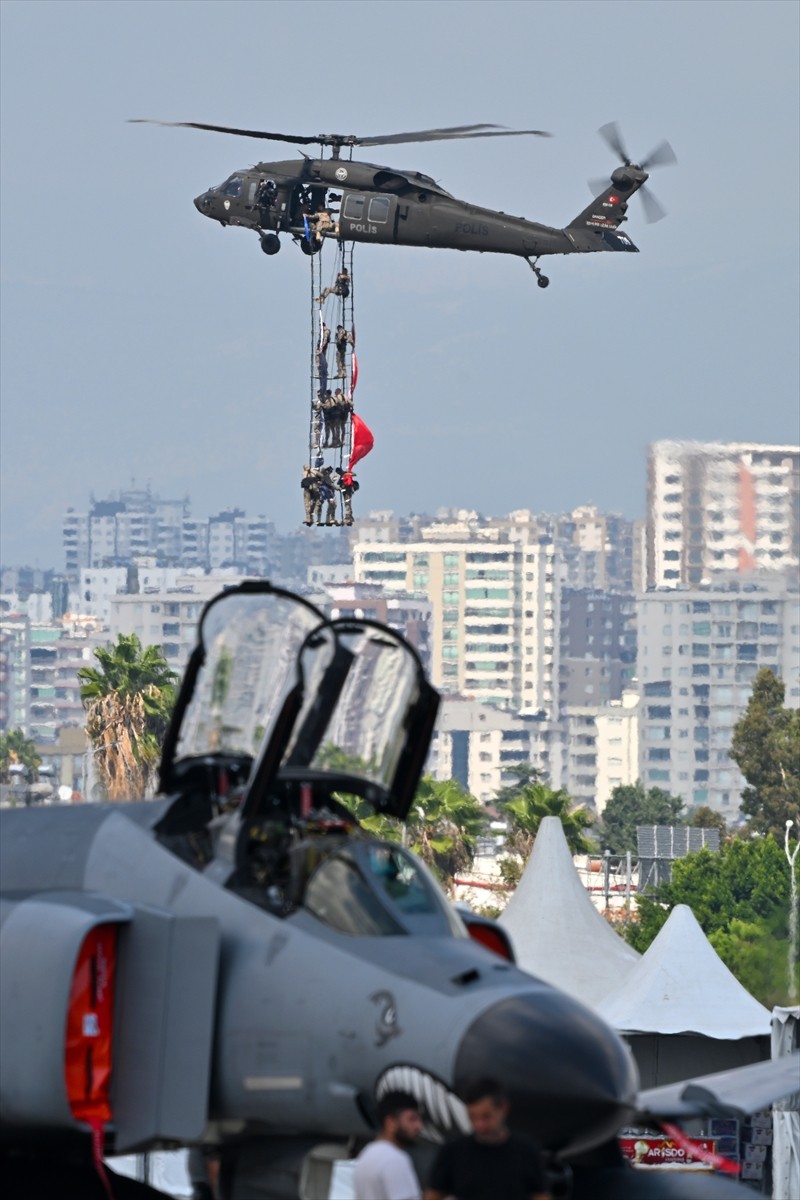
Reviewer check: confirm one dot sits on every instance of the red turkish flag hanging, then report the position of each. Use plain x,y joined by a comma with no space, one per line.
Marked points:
354,373
363,440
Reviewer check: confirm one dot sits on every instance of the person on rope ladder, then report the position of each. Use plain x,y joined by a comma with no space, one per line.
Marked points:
348,485
316,421
327,493
322,354
341,411
340,288
342,340
310,485
329,417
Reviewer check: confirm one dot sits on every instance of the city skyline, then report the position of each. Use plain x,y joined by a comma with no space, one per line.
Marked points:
140,341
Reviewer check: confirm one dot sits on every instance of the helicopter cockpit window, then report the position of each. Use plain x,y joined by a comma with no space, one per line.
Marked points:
353,207
233,187
379,209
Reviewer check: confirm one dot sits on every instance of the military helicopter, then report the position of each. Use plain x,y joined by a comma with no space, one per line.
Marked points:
330,198
238,965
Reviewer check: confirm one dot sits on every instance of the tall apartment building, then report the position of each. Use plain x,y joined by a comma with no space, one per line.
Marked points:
14,670
713,508
495,603
39,686
476,744
115,532
597,636
601,749
168,617
410,616
699,651
597,551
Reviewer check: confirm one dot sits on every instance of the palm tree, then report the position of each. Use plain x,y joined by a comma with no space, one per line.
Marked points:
128,702
536,801
15,747
443,823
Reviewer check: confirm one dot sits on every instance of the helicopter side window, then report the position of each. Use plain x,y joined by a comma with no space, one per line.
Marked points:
338,895
353,207
379,209
233,187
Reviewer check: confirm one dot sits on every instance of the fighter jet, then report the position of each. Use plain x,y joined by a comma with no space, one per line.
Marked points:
237,965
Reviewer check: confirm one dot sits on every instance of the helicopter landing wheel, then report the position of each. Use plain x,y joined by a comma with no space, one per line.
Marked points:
310,247
270,243
542,281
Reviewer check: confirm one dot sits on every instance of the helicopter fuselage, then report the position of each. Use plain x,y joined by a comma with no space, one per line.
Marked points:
366,202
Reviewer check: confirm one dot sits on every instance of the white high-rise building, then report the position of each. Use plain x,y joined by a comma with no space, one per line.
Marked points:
718,507
476,745
494,600
699,651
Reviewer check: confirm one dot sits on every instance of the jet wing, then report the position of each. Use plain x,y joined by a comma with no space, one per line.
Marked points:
735,1093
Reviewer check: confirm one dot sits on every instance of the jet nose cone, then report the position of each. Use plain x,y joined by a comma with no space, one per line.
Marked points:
571,1081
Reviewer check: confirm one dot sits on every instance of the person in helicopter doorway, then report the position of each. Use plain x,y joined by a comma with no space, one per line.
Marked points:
323,223
310,485
266,196
340,288
348,485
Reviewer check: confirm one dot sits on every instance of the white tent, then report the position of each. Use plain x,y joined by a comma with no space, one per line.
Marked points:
557,932
686,1013
681,985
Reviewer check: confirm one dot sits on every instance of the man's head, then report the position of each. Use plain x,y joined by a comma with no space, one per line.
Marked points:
398,1114
487,1108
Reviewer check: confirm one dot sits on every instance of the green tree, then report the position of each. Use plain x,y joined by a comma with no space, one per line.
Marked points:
523,774
533,803
128,701
15,747
740,897
707,818
443,824
766,749
628,806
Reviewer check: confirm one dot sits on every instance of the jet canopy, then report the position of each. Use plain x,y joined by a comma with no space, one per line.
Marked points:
277,699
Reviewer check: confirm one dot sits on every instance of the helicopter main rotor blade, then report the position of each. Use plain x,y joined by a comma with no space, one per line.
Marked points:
653,209
455,133
611,134
254,133
662,156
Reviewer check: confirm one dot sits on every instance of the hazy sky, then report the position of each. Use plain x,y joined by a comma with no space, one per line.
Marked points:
143,342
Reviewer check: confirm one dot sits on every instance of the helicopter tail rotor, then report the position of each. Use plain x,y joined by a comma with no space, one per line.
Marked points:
632,174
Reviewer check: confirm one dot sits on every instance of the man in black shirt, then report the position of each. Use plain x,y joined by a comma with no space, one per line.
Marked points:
490,1162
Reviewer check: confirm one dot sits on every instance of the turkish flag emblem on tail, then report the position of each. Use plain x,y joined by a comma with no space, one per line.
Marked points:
363,440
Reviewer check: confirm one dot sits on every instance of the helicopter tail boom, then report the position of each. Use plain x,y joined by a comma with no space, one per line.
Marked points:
597,227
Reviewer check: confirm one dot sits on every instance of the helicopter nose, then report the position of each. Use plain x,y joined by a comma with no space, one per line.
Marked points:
202,203
571,1081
